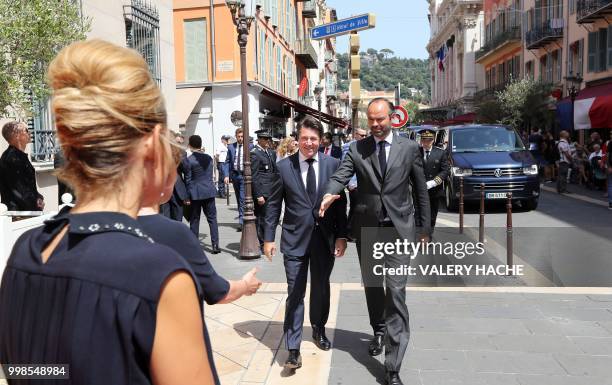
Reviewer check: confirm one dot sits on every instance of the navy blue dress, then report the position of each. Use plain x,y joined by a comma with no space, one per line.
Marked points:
177,236
92,305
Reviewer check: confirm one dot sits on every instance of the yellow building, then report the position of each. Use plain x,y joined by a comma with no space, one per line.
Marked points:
284,67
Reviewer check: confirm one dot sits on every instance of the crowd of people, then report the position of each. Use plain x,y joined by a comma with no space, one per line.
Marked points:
566,161
113,284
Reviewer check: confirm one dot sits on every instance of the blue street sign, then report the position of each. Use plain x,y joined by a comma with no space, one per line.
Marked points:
341,27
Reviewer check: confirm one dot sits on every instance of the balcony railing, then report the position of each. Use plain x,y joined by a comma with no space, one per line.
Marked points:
306,53
545,33
499,40
587,11
489,93
310,9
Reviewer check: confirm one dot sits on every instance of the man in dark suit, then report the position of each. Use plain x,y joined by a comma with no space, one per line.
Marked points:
328,148
18,177
386,165
436,169
173,209
306,237
235,166
265,178
198,168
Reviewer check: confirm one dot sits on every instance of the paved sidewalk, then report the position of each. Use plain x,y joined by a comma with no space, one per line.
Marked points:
459,335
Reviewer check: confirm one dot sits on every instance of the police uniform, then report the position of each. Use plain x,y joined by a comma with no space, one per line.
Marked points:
436,169
265,179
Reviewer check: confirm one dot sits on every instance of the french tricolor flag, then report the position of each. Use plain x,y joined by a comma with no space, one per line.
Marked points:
593,109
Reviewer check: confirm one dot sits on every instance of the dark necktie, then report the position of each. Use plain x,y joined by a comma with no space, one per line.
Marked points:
382,157
426,154
311,182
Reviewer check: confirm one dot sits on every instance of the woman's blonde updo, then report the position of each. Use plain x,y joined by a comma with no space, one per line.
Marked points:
104,100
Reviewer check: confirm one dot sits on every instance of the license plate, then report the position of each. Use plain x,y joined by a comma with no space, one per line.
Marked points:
496,195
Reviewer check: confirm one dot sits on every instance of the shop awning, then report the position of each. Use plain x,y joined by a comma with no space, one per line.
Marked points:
185,102
593,107
325,118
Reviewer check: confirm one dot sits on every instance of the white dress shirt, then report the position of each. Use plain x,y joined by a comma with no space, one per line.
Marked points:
239,161
222,153
388,141
304,167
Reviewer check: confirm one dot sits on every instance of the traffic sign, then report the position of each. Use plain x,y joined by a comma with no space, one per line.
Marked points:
399,117
344,26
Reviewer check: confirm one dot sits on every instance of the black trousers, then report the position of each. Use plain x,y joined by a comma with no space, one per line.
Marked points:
260,220
210,210
386,296
296,270
434,203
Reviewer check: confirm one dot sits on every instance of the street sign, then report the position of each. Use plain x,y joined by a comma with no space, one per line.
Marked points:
344,26
399,117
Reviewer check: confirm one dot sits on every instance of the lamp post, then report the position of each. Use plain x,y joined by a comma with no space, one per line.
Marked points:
249,244
573,87
317,91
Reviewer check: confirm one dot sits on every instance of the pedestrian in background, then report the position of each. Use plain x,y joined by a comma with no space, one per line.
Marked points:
198,168
265,178
17,175
287,147
328,148
235,171
220,157
436,169
565,159
174,207
101,291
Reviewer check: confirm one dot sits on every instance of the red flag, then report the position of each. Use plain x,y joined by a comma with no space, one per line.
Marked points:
303,86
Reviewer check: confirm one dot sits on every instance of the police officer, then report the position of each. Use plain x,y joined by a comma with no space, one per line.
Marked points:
436,169
265,177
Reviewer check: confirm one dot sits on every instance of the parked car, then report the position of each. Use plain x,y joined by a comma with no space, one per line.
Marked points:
494,155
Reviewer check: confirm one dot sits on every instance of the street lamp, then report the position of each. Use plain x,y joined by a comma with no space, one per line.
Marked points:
573,87
317,91
249,244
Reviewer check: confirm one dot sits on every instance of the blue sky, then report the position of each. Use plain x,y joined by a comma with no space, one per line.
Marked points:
401,25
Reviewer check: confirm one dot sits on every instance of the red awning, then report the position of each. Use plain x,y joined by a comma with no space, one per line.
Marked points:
591,92
326,118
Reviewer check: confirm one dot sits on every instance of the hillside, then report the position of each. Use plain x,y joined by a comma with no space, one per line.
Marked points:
380,70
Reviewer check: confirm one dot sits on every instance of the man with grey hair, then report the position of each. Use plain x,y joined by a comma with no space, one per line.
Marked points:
17,175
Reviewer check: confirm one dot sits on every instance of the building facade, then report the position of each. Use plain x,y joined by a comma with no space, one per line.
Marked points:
564,43
286,72
455,38
139,24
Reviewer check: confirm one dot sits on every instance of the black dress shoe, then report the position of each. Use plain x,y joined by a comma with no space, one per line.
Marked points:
239,229
294,361
318,335
376,345
215,249
393,378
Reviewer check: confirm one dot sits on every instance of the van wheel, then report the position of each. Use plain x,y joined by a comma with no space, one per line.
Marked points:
451,202
531,204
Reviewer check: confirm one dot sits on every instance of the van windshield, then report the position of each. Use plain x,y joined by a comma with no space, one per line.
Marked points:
486,139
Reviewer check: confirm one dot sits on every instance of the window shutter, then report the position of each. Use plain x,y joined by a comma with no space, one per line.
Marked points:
580,66
601,49
558,62
196,59
609,47
592,58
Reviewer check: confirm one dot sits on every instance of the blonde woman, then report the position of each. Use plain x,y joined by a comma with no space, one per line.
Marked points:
90,288
287,147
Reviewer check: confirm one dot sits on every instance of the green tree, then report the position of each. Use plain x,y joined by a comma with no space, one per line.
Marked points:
525,103
31,34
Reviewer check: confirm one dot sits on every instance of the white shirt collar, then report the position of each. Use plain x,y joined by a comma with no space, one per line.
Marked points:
303,158
388,139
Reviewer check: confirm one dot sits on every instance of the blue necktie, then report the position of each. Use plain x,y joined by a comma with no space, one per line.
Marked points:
311,182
